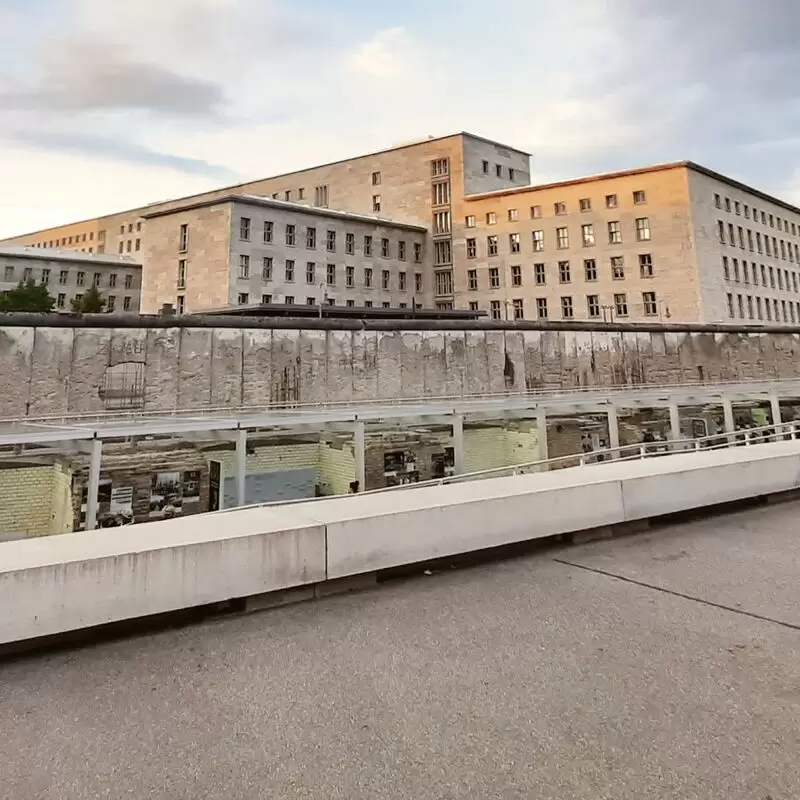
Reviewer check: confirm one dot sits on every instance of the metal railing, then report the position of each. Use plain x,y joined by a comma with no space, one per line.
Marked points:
613,455
547,392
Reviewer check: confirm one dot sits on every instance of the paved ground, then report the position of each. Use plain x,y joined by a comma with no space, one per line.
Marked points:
612,676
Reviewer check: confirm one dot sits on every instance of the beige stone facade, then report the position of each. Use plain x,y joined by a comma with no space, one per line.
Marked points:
639,245
68,274
642,245
250,250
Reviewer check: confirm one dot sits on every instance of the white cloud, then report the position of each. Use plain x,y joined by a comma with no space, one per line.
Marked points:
386,54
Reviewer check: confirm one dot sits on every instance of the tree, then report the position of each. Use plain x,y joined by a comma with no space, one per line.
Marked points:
27,296
91,303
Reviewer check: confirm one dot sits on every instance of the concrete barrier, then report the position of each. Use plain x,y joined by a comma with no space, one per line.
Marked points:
61,584
64,583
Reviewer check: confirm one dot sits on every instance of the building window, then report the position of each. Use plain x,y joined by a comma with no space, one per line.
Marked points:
129,245
385,248
330,241
376,203
181,276
472,248
183,244
61,301
639,197
78,297
243,298
494,278
731,235
330,275
731,312
321,196
491,218
491,243
310,301
311,272
63,275
311,238
443,253
244,267
444,283
367,277
472,280
514,242
585,204
288,300
367,246
367,304
439,167
485,165
498,170
126,304
417,253
473,305
590,269
266,269
80,278
587,235
494,309
350,244
614,233
519,308
536,212
401,250
618,268
736,269
441,222
513,215
137,246
611,201
350,303
564,273
567,311
244,229
350,277
112,278
750,307
646,265
593,305
750,240
650,304
441,193
122,248
417,282
301,193
717,201
516,276
180,304
541,307
291,235
268,230
538,241
402,283
9,275
376,178
562,238
27,274
540,274
469,221
621,304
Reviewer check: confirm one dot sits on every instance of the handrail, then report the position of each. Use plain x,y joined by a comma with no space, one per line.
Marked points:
230,411
641,450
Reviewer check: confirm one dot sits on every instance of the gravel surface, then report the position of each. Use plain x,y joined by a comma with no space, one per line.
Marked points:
525,679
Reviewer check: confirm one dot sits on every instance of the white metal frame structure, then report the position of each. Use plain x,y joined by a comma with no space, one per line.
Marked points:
88,433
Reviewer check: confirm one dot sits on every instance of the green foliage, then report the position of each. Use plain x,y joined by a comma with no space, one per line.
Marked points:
30,297
91,303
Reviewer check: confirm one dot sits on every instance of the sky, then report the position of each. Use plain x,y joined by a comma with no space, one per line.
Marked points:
112,104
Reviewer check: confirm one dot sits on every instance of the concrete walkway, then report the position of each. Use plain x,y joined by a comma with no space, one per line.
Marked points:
659,666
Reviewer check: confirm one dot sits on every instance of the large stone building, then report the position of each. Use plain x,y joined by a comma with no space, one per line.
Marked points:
69,273
671,242
245,250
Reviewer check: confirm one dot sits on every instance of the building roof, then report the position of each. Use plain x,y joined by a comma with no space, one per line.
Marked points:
234,187
604,176
268,202
54,254
339,312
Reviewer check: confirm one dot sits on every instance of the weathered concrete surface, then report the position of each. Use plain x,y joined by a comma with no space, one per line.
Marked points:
526,679
63,370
